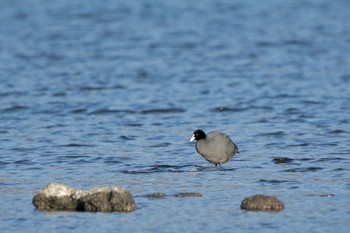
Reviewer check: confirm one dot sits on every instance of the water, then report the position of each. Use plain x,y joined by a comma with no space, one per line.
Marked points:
109,92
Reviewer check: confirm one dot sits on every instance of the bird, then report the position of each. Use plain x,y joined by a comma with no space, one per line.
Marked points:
215,147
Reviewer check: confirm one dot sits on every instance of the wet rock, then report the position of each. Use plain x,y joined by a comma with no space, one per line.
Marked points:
262,203
155,195
57,196
188,195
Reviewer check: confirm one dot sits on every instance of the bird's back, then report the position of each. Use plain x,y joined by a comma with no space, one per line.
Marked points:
216,147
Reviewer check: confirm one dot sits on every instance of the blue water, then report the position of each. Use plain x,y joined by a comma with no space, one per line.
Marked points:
96,93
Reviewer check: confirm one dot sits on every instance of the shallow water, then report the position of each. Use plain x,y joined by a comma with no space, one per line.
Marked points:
109,93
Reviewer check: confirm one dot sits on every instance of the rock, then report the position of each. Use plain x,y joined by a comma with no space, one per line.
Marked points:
155,195
188,195
262,203
57,196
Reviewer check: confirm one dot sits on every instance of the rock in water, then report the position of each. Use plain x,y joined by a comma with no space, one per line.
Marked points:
57,196
262,203
188,195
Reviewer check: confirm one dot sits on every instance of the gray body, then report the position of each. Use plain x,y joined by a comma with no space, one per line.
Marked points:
216,148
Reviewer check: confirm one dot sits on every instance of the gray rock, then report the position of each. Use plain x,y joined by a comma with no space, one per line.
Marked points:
57,196
262,203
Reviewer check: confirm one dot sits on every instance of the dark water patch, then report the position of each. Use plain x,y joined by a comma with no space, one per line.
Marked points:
163,111
339,169
266,44
228,109
272,134
100,88
345,121
23,149
57,112
337,131
15,108
346,77
32,168
127,138
279,160
329,159
59,94
14,93
267,108
24,162
325,144
292,111
307,169
213,168
76,145
98,158
133,124
306,159
281,96
299,145
106,111
78,111
80,161
74,156
55,126
274,181
92,88
2,163
299,43
112,160
274,144
163,168
312,102
261,120
164,144
205,92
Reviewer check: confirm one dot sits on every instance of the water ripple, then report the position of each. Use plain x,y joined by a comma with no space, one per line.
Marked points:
15,108
163,111
104,111
176,169
77,145
306,169
275,181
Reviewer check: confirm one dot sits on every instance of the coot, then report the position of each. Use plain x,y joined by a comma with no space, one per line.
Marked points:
215,147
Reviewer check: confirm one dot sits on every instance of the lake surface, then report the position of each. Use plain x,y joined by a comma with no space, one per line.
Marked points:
96,93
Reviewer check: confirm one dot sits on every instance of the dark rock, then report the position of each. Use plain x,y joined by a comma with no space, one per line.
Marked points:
57,196
188,195
155,195
262,203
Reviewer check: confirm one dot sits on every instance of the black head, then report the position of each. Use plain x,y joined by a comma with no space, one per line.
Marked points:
198,135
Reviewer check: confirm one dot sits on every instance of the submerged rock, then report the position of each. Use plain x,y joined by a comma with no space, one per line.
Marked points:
57,196
162,195
262,203
156,195
188,195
